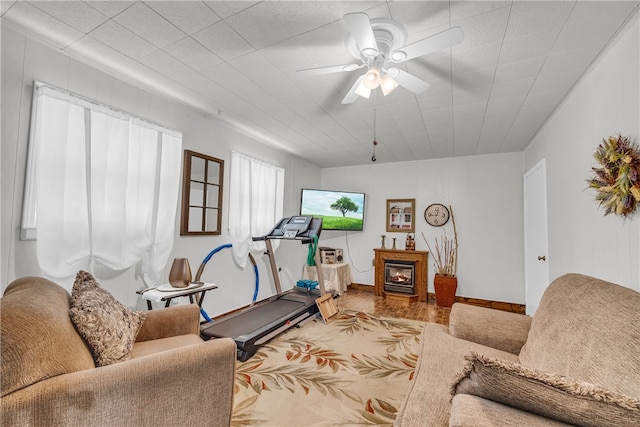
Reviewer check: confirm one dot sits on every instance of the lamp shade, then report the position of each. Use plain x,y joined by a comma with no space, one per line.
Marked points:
387,84
363,90
372,78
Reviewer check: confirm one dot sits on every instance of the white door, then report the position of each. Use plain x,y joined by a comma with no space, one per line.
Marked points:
536,259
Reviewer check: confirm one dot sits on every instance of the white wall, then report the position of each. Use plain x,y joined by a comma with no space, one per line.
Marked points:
605,102
24,60
485,193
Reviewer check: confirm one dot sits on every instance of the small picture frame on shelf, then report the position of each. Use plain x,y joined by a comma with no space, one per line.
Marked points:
401,215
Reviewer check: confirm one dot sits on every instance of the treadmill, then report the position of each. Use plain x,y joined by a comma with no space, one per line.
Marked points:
266,319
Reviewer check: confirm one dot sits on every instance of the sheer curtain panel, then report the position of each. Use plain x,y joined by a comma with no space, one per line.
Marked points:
104,187
256,198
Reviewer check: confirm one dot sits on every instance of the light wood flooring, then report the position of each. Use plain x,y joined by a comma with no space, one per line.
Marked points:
366,301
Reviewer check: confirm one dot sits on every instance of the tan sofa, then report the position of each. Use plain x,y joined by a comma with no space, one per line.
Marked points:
576,361
49,377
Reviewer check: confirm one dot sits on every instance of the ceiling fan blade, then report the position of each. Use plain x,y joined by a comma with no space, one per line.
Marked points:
360,28
351,96
408,81
329,69
442,40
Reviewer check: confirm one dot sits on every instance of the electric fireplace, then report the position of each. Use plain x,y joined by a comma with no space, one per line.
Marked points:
399,276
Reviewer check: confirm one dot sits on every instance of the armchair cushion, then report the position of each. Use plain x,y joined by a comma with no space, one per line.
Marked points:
547,394
108,327
145,348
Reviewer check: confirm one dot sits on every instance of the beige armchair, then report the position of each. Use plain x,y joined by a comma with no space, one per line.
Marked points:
49,377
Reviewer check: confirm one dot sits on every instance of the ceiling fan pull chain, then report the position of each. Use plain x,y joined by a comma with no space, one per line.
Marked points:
374,122
375,142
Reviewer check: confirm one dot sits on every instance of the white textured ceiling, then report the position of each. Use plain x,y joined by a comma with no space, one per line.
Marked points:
237,60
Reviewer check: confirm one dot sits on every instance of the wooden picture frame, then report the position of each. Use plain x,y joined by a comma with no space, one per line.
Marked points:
401,215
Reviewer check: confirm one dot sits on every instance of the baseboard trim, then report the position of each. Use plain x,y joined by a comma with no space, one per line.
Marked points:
431,297
361,287
497,305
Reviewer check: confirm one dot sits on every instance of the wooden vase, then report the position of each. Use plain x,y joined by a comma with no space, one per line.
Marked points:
445,287
180,274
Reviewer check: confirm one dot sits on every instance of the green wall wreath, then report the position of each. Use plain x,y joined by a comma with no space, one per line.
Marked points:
617,181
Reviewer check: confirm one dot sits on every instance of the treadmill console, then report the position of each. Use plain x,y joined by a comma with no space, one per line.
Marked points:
301,227
295,225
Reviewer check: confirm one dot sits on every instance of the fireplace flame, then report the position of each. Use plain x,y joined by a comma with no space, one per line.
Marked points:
400,278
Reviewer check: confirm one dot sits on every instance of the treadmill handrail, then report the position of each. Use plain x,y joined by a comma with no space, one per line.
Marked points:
303,240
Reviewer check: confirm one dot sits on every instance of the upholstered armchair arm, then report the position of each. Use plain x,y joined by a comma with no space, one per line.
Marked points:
191,385
171,321
497,329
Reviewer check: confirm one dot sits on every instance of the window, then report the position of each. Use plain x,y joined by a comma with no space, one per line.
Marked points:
101,187
201,194
255,203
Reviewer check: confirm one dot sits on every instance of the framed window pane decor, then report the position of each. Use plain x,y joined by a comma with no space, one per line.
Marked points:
401,215
201,194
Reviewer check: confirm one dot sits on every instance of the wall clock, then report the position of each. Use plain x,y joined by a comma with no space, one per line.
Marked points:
436,214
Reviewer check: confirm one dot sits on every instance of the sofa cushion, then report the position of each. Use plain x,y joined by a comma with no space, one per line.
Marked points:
37,339
473,411
145,348
108,327
441,357
547,394
587,329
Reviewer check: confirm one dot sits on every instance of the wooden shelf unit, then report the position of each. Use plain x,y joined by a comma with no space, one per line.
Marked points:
420,258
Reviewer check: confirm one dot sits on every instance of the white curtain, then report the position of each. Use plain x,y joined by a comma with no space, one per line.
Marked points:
106,187
255,203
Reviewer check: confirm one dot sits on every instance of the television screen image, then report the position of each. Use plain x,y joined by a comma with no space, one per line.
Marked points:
339,210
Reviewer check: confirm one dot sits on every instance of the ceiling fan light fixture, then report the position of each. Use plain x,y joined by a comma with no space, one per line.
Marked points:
370,52
398,56
387,84
393,72
372,78
363,90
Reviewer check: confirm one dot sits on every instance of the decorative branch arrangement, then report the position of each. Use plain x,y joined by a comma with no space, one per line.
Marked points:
446,253
617,182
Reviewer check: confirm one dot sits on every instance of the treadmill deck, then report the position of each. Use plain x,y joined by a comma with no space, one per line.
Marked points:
250,325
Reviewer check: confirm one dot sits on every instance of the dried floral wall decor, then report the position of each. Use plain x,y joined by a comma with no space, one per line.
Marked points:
617,181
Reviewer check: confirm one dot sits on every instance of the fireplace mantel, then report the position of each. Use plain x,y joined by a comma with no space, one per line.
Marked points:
419,257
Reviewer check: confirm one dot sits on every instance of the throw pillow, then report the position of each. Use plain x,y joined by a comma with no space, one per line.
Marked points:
546,394
108,327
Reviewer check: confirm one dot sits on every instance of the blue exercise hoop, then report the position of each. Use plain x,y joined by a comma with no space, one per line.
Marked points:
206,260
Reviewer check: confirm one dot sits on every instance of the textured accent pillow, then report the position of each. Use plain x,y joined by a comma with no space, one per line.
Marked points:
108,327
546,394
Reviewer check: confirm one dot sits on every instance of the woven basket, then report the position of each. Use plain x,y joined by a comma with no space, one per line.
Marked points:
445,287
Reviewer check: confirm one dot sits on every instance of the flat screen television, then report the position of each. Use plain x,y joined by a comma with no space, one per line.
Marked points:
339,210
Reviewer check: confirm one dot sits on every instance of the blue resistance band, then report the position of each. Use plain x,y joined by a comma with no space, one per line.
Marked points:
255,270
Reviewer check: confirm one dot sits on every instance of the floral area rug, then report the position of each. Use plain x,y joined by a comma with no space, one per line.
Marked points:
356,370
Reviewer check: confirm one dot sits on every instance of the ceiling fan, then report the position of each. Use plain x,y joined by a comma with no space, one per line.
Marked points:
379,45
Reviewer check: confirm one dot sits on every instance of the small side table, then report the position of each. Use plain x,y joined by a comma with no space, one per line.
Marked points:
336,276
159,296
